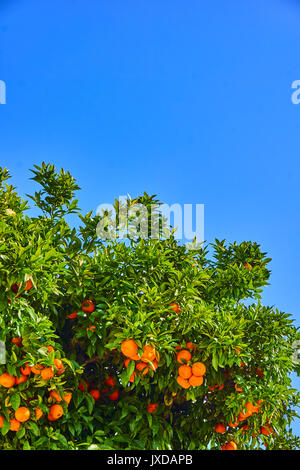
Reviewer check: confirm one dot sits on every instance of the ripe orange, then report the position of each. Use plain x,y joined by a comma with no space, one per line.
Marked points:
53,394
20,380
50,417
38,413
175,307
114,395
22,414
185,371
266,430
50,349
233,424
151,408
190,346
242,416
73,315
37,369
238,389
142,366
129,348
14,425
67,397
7,380
56,411
184,355
87,306
110,382
126,362
154,365
132,377
220,428
195,381
149,354
183,382
58,363
83,386
198,369
250,408
229,446
26,370
95,394
47,373
220,387
1,421
17,341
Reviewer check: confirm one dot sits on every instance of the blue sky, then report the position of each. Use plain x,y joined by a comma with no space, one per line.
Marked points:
187,100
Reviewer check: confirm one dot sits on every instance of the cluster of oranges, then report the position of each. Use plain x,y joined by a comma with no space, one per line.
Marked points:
46,373
189,374
22,414
109,392
148,359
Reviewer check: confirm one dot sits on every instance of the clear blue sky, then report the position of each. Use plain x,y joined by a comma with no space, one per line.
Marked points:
187,100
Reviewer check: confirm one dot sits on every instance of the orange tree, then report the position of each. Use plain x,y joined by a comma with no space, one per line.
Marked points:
136,343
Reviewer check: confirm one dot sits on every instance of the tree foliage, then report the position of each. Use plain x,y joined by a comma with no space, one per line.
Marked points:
48,268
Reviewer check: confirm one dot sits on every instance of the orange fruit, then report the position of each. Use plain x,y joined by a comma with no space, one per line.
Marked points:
87,306
20,380
37,369
67,397
233,425
129,348
190,346
183,382
53,394
220,428
198,369
22,414
56,411
58,363
196,381
7,380
50,349
72,315
126,362
83,386
266,430
14,425
110,382
250,408
132,377
238,389
1,421
25,369
185,372
153,365
175,307
50,417
243,416
220,387
142,366
151,408
149,354
229,446
47,373
114,395
38,413
17,341
95,394
28,285
184,355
